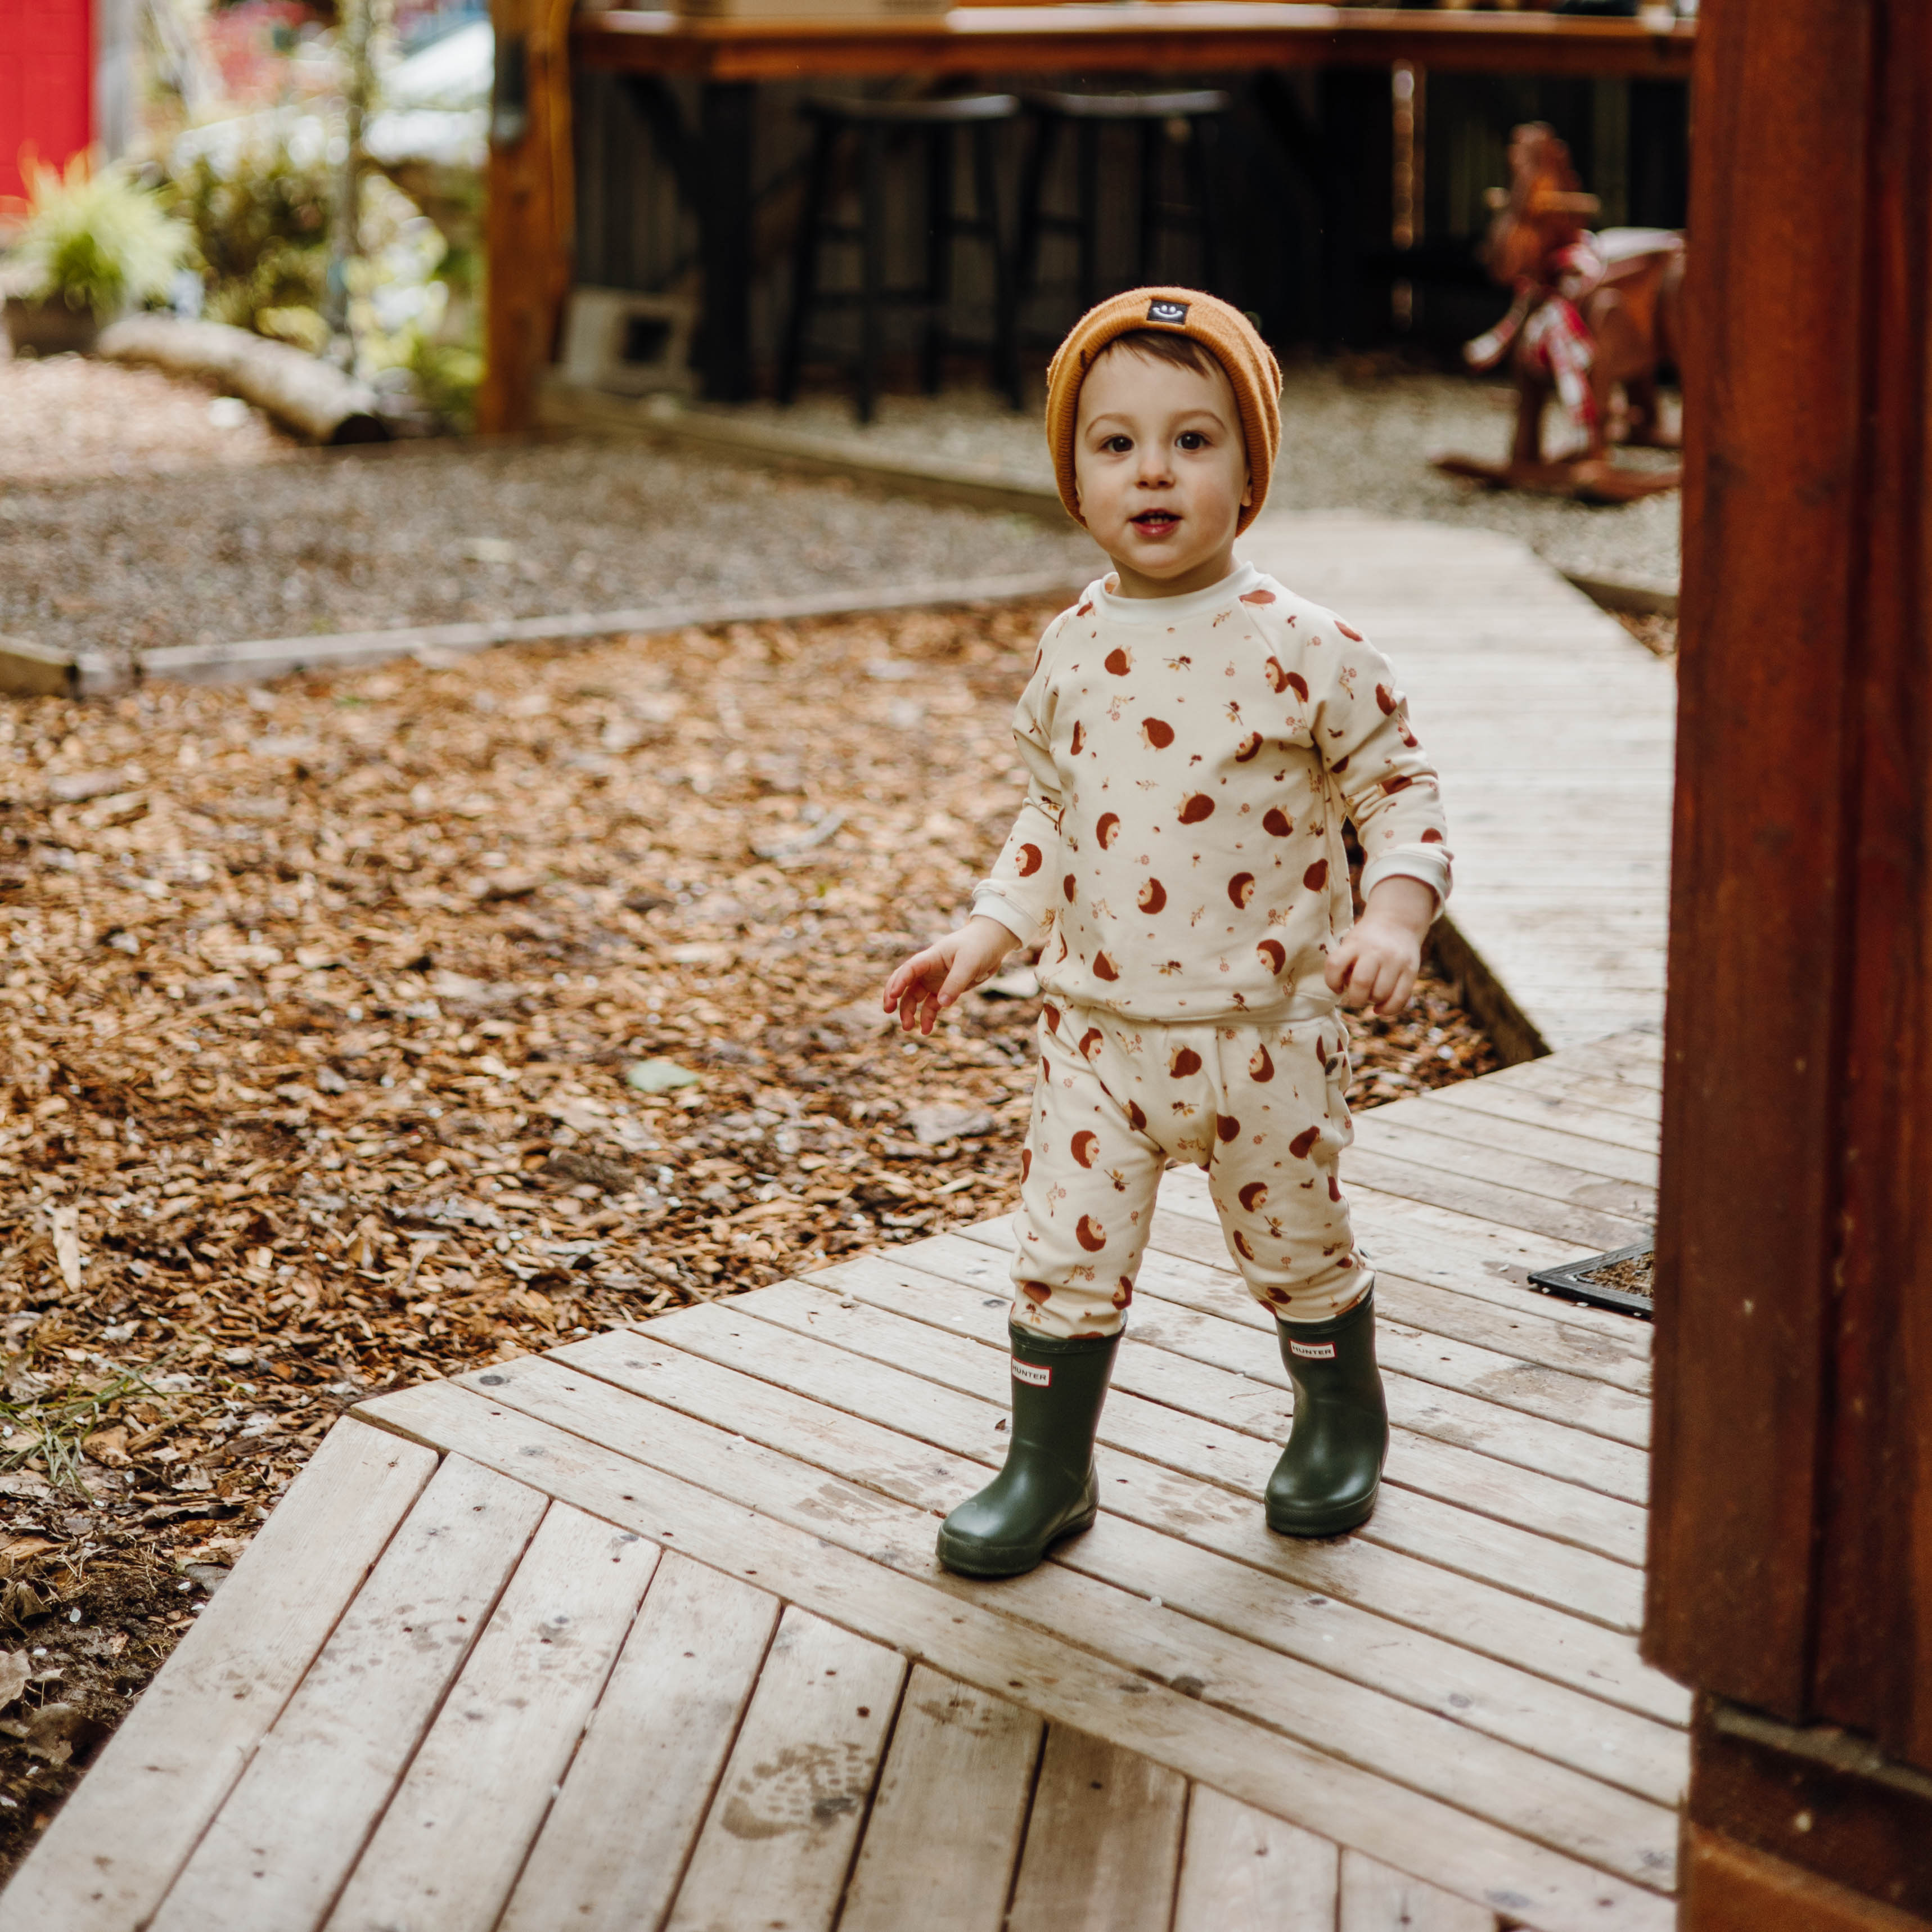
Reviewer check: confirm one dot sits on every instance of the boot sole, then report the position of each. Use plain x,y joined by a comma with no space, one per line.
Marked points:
979,1560
1331,1522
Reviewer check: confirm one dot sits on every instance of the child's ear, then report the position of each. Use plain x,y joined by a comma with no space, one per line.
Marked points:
1247,489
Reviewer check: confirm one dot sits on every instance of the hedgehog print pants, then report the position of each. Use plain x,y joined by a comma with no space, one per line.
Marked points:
1263,1109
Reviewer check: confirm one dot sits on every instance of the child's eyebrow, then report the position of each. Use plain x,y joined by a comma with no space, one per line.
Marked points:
1193,410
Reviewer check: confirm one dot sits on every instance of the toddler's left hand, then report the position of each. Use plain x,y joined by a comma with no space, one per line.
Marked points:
1376,965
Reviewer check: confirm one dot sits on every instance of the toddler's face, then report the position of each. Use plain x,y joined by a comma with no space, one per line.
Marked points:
1161,469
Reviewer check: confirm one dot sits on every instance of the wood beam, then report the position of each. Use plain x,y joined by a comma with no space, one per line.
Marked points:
530,218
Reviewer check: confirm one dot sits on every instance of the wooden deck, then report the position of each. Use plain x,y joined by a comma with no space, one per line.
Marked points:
647,1631
1555,732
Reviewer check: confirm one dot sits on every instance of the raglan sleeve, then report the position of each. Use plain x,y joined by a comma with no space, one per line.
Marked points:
1017,892
1388,782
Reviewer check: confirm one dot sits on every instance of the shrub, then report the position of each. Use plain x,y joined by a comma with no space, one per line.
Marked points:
96,239
262,226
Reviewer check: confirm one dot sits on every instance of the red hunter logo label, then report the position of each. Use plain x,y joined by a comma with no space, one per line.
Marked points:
1036,1377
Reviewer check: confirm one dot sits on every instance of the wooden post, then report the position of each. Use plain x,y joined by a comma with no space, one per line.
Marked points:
1791,1532
528,223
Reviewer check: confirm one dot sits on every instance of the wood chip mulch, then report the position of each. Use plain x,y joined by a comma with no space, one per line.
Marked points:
360,1031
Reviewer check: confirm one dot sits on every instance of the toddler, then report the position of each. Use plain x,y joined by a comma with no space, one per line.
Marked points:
1195,734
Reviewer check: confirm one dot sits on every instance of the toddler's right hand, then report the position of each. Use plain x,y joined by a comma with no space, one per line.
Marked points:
929,982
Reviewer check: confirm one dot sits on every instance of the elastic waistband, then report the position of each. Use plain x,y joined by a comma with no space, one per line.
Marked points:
1302,1012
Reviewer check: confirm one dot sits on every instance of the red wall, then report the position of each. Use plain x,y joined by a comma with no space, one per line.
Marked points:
46,83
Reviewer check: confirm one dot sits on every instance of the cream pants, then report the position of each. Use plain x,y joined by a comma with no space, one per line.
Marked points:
1263,1109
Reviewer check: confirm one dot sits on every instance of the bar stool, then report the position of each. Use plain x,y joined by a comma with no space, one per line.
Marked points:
1189,117
937,122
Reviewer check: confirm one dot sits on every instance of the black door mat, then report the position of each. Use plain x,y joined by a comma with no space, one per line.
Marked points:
1620,1280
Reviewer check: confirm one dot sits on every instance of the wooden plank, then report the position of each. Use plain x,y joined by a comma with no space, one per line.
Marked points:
1353,1569
1542,1800
1532,1174
1467,1370
1528,1326
1190,1414
945,1830
1103,1843
1130,39
1385,1223
454,1836
279,1850
1243,1871
1555,1111
614,1846
1552,1078
1218,1513
1331,1633
1637,1054
958,1634
1380,1217
778,1841
1569,1149
1173,1372
1511,1207
1378,1898
115,1846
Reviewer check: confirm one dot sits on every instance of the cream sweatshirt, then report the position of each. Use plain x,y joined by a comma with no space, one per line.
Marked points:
1190,761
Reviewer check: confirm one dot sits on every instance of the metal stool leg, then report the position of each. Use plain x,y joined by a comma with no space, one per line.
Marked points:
871,251
1153,132
1087,148
986,210
1201,135
939,236
1033,192
805,263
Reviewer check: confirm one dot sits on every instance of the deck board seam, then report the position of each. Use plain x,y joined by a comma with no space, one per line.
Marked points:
1034,1631
1167,1347
1213,1553
1228,1485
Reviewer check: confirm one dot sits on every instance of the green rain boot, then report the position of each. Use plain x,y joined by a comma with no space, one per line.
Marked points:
1327,1477
1047,1489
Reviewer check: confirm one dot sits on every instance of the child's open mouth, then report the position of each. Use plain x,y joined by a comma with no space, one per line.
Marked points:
1155,523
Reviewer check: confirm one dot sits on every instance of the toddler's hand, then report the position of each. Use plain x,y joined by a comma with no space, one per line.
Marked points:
930,981
1376,965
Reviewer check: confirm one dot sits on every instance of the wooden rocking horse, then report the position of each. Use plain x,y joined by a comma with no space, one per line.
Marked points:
1594,314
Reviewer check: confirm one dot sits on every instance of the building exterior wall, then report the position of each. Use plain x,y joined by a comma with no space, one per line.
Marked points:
46,83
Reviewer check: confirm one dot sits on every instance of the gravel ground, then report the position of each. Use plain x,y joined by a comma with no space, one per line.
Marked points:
355,540
67,417
1356,436
136,512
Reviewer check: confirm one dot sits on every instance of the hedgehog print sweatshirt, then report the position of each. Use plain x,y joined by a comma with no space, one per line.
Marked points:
1191,759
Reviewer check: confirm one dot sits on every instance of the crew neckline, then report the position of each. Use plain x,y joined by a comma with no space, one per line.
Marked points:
1171,610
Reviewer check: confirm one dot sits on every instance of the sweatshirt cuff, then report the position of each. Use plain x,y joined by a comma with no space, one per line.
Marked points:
1429,867
989,902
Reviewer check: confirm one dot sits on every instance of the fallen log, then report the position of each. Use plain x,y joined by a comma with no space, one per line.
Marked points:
312,398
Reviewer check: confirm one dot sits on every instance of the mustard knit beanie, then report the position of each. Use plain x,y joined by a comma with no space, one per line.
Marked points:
1227,334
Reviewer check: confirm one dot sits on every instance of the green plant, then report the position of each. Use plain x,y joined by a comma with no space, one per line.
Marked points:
96,239
55,1427
262,226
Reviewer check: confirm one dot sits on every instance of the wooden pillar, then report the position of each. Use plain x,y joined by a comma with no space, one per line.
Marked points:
529,220
1791,1531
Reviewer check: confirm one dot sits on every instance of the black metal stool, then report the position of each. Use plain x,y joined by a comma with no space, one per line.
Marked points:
1189,116
872,121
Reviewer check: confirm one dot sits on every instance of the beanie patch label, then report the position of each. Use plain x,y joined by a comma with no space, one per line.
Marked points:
1162,310
1313,1352
1032,1374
